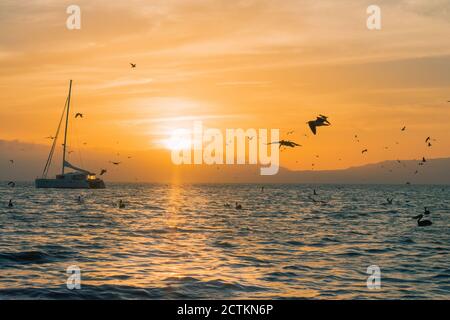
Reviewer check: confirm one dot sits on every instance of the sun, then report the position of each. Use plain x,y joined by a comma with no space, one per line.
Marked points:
179,140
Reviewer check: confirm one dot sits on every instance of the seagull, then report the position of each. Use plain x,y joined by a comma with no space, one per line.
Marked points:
290,132
12,161
238,206
133,65
115,163
429,144
10,204
286,143
103,172
314,192
79,115
364,151
404,128
389,200
12,184
423,159
320,121
427,139
426,211
121,204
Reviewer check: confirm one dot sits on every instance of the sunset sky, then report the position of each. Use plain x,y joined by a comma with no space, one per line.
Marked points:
233,64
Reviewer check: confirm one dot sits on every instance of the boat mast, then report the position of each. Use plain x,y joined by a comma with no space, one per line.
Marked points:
67,124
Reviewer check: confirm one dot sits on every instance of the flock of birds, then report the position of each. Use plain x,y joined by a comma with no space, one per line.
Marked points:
320,121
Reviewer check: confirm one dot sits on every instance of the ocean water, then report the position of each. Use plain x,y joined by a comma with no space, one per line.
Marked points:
179,241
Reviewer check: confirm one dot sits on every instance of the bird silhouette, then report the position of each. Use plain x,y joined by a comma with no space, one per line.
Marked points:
404,128
427,139
11,161
286,143
133,65
103,172
115,163
79,115
422,223
12,184
364,151
320,121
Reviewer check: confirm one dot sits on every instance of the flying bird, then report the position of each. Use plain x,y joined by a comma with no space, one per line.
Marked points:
79,115
404,128
286,143
320,121
12,184
427,139
290,132
103,172
115,163
50,137
12,161
133,65
364,151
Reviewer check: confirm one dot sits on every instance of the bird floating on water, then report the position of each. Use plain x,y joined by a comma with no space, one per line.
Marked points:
238,206
422,223
426,211
10,204
320,121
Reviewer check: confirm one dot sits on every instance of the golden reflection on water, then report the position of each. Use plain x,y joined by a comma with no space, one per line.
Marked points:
180,239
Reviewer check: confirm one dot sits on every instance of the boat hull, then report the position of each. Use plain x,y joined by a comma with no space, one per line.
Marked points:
69,184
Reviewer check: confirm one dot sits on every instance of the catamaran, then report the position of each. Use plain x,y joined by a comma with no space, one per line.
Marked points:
77,179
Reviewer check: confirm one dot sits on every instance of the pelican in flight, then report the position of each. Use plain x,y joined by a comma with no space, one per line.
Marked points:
320,121
286,143
422,223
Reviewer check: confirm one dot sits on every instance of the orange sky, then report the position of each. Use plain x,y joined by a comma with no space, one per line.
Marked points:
232,64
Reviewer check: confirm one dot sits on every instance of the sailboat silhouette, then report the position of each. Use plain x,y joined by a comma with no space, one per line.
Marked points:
78,179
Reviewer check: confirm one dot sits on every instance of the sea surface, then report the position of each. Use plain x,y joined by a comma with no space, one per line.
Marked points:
180,241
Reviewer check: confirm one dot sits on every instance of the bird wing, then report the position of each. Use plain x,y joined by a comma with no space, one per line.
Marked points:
312,126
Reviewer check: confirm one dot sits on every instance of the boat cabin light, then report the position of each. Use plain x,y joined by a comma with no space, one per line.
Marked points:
92,177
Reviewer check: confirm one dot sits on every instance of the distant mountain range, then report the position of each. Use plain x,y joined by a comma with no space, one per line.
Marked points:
433,171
